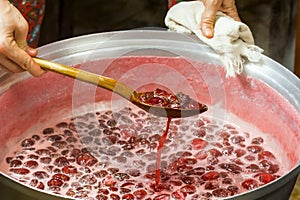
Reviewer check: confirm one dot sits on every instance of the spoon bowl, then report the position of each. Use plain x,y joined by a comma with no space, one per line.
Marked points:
125,91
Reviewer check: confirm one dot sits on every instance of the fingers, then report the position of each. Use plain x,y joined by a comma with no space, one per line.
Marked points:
233,13
22,59
15,59
23,53
209,15
27,63
31,51
10,66
15,54
207,22
229,8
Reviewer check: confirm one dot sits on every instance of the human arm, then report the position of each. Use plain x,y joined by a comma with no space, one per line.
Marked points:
15,54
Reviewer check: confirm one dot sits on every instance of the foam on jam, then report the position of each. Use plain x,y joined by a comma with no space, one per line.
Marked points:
112,155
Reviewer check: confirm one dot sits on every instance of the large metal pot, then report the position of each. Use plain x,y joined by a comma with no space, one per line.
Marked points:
28,103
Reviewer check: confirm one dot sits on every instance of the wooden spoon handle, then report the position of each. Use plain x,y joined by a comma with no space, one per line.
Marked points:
95,79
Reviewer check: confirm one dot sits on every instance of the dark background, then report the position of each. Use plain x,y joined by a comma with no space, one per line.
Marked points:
69,18
273,22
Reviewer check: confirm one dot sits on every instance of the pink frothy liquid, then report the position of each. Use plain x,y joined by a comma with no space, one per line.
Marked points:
115,156
112,154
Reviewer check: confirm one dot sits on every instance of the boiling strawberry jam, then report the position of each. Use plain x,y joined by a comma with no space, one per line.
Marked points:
112,155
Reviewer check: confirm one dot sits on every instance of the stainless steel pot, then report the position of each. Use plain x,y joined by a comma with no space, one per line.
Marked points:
28,102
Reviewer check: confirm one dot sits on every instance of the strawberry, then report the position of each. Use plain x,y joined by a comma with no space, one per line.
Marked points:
86,159
212,175
249,184
265,178
20,171
198,143
265,155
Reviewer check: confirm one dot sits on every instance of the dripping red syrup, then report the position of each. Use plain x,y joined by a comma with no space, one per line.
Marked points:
161,143
163,98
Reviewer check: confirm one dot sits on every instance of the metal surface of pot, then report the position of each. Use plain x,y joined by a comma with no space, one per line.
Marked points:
18,118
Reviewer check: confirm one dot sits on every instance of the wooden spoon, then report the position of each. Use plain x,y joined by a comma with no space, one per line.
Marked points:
121,89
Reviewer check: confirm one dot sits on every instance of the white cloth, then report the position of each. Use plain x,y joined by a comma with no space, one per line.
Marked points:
232,40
